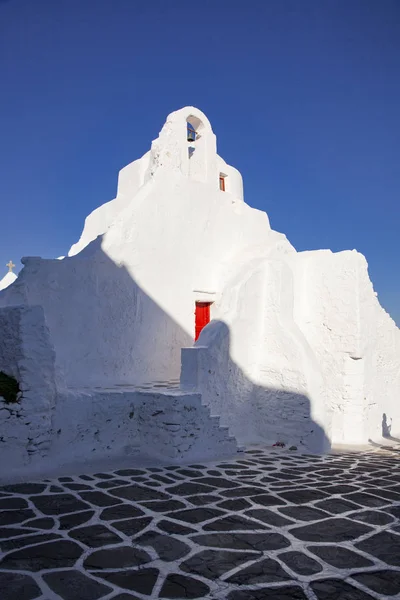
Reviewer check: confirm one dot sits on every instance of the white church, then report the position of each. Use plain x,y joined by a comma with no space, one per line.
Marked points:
181,326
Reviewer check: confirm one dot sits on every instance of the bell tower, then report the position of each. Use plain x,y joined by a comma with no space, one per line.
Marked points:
188,144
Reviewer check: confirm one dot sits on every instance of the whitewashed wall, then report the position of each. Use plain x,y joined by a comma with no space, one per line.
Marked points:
7,280
27,355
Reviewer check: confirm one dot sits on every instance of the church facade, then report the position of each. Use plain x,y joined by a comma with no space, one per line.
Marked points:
182,326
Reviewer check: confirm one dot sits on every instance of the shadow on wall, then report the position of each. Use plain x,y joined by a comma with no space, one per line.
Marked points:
105,328
387,428
254,414
108,332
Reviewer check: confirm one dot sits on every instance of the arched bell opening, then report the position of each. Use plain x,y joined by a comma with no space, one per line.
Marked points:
193,129
191,133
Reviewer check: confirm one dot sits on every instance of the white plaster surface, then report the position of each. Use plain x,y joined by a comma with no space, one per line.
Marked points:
7,280
299,349
26,353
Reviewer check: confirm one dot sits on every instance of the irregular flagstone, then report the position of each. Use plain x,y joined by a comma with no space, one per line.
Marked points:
132,526
14,544
366,499
264,571
337,505
328,472
384,582
111,484
55,489
151,483
15,586
394,510
267,500
233,522
304,513
58,504
237,504
339,489
41,523
163,478
164,505
167,547
14,503
268,516
24,488
267,479
174,528
330,530
287,486
285,477
336,589
182,586
12,517
341,558
211,564
302,496
247,491
138,493
121,511
191,473
116,558
379,483
78,486
388,494
70,521
218,482
374,517
176,477
99,498
10,532
142,581
95,536
300,563
202,499
130,472
189,489
74,585
196,515
51,555
259,542
385,546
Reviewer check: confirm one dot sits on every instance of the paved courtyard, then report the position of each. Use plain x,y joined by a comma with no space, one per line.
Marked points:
265,525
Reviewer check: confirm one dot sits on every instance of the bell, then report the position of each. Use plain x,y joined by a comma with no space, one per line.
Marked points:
191,136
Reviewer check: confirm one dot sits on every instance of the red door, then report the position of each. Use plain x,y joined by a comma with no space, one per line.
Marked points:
202,317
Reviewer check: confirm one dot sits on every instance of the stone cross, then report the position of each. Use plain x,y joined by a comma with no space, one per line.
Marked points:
10,266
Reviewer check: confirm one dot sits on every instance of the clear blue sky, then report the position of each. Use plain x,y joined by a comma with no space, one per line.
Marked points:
304,96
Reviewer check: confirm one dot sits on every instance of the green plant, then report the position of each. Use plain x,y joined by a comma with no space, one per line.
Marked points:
9,388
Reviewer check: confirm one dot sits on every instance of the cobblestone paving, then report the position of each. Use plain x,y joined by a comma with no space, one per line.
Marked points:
267,525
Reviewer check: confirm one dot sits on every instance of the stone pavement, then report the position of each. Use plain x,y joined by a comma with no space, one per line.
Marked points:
265,525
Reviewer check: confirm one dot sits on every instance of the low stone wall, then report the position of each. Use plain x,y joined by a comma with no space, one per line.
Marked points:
27,355
95,428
